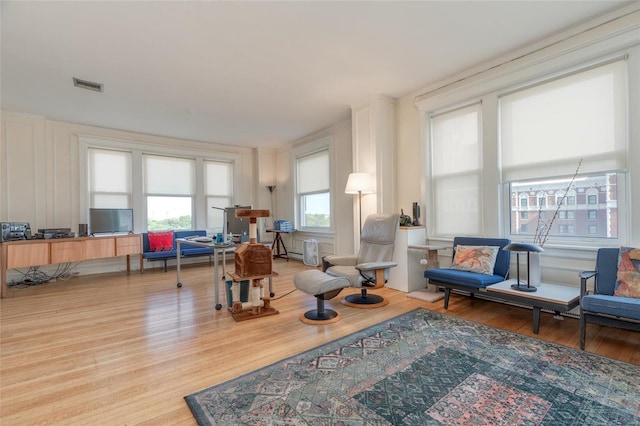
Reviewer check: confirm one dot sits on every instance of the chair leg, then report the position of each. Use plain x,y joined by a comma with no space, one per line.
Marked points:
583,329
320,315
447,293
364,300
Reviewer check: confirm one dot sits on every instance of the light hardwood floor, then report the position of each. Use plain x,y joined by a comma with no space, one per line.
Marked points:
118,349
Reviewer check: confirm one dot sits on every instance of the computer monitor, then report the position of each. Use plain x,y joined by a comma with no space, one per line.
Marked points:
238,226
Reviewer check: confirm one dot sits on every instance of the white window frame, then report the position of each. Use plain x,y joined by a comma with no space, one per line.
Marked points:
571,202
303,150
192,190
215,228
438,208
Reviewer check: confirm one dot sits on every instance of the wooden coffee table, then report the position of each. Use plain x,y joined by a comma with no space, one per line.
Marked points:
555,297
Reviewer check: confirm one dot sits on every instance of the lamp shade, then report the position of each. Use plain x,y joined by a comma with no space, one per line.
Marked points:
359,183
523,247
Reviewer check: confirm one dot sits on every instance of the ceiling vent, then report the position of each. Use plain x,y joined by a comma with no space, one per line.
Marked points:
89,85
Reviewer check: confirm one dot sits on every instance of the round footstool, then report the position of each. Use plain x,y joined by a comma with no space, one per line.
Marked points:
323,287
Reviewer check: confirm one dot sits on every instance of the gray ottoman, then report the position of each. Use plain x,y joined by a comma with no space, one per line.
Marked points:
323,287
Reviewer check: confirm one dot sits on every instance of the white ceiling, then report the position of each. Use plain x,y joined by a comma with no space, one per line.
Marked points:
256,74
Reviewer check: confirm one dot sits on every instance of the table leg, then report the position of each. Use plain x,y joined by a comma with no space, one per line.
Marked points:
536,320
178,263
216,279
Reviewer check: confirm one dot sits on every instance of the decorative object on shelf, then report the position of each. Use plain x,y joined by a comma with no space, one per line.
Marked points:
405,219
520,248
543,228
359,183
416,214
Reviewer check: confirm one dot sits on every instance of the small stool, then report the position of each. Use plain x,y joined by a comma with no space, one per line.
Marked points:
323,287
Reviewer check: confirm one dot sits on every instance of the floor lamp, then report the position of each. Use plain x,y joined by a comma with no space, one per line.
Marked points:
359,183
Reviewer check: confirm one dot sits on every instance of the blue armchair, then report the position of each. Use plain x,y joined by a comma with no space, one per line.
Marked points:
600,306
471,282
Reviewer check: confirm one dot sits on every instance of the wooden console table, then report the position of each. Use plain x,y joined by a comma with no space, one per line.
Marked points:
26,253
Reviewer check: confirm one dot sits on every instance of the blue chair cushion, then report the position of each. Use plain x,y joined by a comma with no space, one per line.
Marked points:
453,276
159,254
625,307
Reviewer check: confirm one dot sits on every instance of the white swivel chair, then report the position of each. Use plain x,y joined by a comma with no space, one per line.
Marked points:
369,269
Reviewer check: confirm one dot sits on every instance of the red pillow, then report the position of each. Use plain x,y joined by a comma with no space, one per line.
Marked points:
161,241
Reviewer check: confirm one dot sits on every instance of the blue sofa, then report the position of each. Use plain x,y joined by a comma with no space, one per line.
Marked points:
600,306
186,250
471,282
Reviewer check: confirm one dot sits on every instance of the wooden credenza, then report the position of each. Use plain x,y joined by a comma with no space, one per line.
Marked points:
26,253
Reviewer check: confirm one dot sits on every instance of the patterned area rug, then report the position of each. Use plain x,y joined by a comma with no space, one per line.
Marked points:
425,368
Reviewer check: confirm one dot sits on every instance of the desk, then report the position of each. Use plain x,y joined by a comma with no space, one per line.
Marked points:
217,248
555,297
26,253
278,243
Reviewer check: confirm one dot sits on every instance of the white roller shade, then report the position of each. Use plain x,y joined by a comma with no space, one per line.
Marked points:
109,171
169,176
219,178
456,159
313,172
546,129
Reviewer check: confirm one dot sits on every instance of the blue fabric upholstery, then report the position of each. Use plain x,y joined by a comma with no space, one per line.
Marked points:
625,307
186,250
471,281
601,306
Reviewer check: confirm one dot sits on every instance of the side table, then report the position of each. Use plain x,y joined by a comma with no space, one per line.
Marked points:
432,292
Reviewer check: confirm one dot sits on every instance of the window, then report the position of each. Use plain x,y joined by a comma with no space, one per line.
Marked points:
456,161
169,191
592,214
548,128
524,215
109,178
566,229
313,190
218,177
593,229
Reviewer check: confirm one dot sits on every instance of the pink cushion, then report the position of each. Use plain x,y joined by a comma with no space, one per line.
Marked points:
161,241
628,282
479,259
